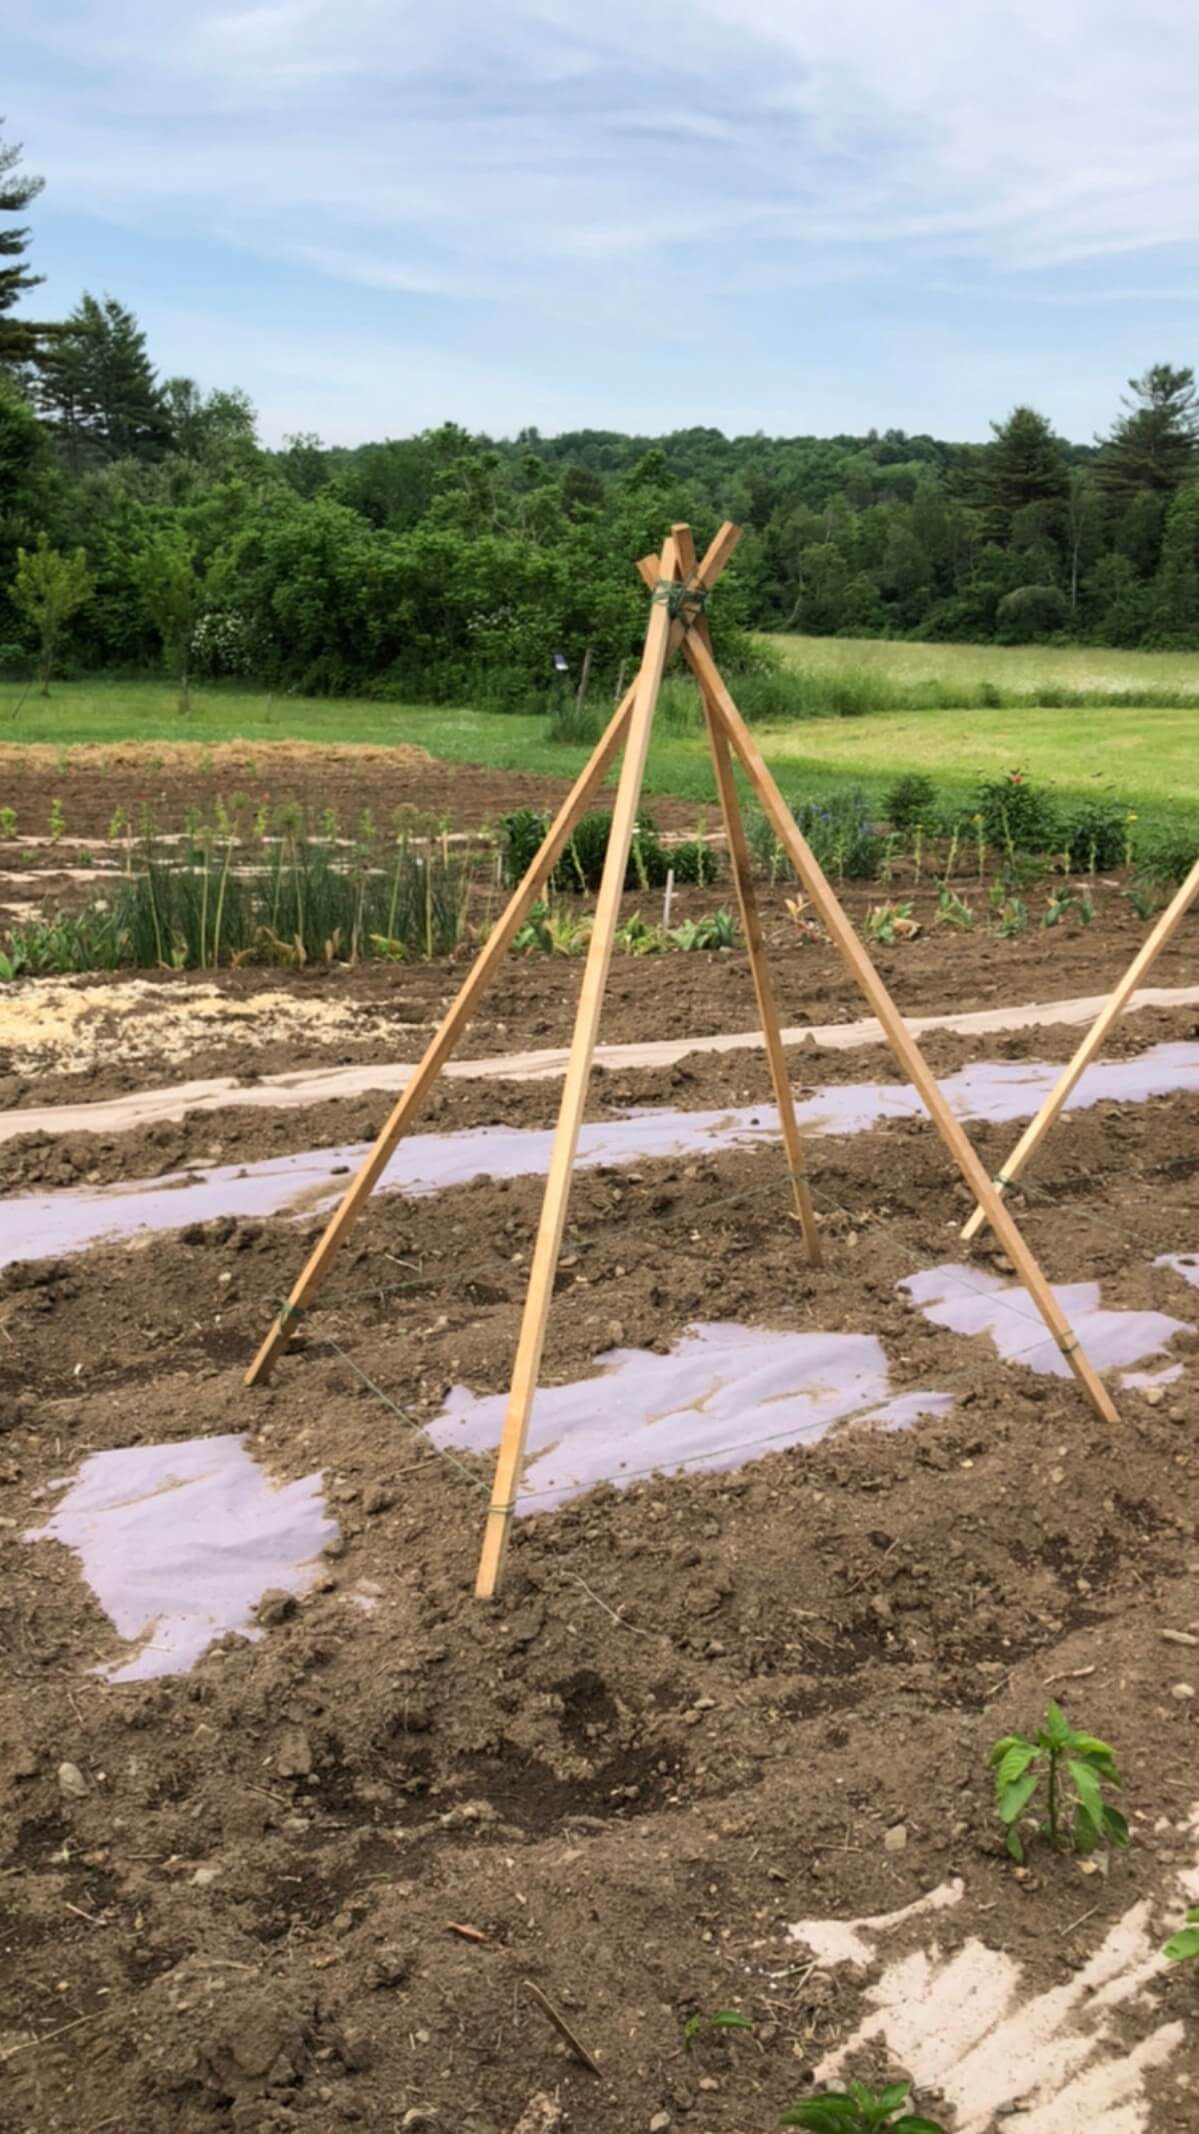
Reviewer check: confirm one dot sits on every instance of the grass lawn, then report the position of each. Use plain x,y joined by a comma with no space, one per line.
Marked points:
1147,756
1026,668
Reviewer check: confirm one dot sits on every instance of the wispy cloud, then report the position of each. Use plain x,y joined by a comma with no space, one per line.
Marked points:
625,170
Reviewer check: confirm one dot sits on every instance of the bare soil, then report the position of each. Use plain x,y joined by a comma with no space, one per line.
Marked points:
305,1885
697,1708
174,781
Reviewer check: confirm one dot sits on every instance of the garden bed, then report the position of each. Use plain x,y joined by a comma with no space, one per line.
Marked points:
700,1706
723,1725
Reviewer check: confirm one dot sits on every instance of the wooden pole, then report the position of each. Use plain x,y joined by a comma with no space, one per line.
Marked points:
1113,1008
574,1096
902,1043
454,1023
751,926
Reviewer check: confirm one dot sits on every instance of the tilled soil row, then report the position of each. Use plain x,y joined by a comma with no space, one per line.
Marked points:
702,1703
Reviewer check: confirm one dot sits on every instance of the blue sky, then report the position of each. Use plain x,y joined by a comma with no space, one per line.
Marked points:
814,216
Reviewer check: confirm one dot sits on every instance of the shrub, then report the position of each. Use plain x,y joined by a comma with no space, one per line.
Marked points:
1095,834
1016,817
910,801
582,864
523,833
14,659
693,861
1031,612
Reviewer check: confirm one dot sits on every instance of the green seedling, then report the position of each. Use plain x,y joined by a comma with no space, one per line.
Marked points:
708,2026
1182,1946
329,824
1013,918
951,911
1061,902
8,822
715,930
637,937
858,2110
552,933
888,923
118,823
1143,902
1074,1769
58,821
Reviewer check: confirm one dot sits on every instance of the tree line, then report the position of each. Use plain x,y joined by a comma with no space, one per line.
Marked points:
140,517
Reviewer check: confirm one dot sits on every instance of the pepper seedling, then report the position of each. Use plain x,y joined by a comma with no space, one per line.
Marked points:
858,2110
1073,1769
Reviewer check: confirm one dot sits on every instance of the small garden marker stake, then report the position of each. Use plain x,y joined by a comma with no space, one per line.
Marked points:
1113,1007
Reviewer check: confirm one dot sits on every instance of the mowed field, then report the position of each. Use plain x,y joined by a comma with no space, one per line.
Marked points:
1024,667
1146,756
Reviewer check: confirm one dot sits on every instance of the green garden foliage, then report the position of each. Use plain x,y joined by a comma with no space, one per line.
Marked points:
454,566
1017,816
911,800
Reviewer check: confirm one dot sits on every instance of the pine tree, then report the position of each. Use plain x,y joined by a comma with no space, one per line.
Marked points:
98,388
1153,444
1026,464
21,340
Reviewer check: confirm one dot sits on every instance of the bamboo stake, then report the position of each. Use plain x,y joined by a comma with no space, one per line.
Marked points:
895,1030
474,986
751,927
574,1096
1108,1014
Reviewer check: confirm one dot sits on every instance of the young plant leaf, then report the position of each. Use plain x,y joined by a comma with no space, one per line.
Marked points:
1086,1786
1013,1800
908,2125
1009,1741
889,2099
1183,1945
1056,1731
1014,1763
824,2115
1098,1755
1115,1825
1086,1833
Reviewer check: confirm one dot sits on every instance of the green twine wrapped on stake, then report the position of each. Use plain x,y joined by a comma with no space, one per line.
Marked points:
677,596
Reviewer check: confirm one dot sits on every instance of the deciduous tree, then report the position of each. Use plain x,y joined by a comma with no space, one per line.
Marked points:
48,590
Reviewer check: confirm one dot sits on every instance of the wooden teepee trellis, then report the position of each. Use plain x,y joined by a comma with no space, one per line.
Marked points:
679,590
